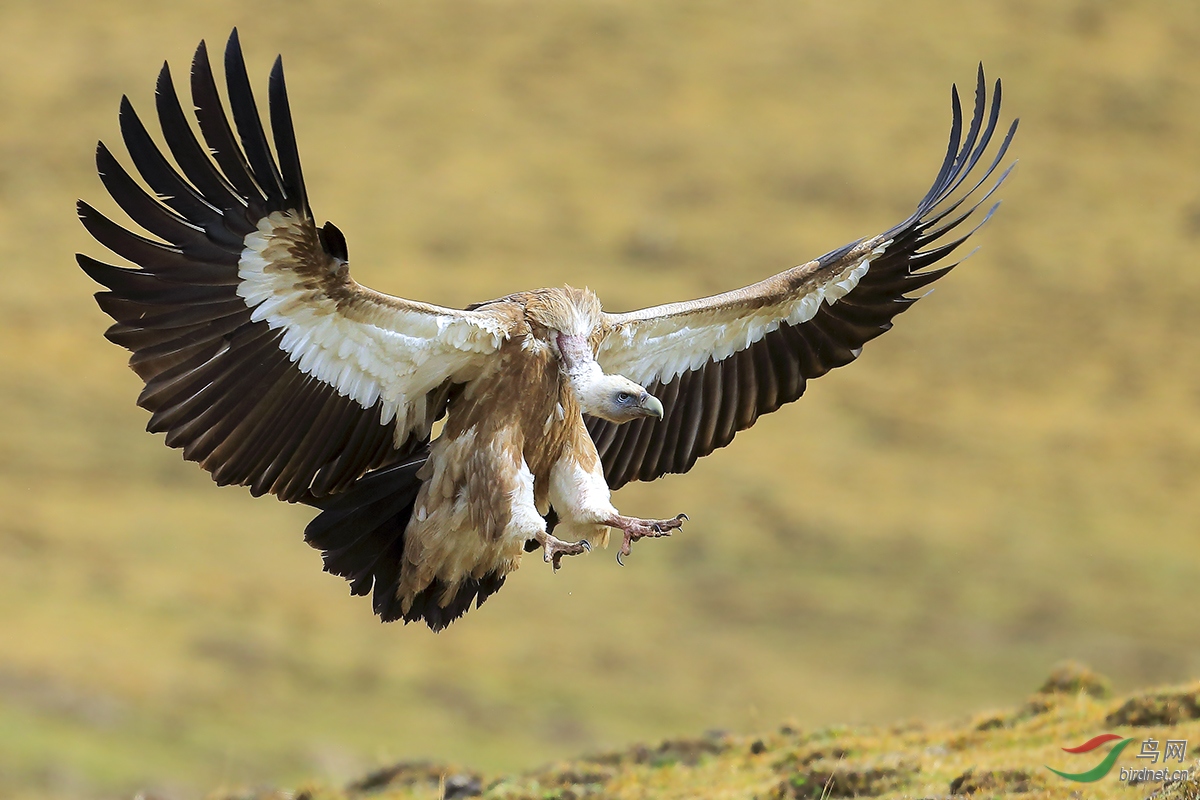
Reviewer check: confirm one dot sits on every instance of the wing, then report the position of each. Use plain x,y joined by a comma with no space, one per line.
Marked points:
263,360
719,363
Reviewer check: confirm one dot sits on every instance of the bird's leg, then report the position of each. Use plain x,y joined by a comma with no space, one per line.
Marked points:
635,529
554,548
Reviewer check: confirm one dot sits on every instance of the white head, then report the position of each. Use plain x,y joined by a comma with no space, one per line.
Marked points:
616,399
610,397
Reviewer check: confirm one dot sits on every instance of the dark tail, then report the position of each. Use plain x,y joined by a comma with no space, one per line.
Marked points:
360,533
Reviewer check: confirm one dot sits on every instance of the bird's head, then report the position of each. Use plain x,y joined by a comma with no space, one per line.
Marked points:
617,399
610,397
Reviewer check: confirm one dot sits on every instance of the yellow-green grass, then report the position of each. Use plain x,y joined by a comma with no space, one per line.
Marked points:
1008,753
1005,480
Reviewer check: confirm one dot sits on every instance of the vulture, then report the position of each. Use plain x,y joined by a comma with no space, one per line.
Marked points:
269,366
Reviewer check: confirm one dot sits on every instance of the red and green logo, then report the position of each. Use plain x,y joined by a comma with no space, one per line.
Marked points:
1100,770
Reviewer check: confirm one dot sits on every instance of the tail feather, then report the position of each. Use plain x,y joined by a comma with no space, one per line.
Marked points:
360,533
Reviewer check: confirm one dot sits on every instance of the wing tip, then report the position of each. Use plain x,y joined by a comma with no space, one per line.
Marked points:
234,43
200,59
97,270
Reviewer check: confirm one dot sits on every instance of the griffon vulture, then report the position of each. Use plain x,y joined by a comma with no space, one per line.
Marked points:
269,366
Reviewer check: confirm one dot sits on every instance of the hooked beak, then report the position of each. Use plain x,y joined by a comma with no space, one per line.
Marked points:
652,407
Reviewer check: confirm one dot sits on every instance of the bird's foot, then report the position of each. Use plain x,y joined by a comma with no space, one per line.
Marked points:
554,548
635,529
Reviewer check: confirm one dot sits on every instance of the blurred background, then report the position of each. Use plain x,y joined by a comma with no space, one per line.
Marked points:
1006,480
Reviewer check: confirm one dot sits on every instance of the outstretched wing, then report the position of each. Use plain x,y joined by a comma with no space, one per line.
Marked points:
263,360
719,363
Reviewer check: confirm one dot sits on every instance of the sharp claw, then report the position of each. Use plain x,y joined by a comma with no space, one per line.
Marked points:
681,517
619,561
587,548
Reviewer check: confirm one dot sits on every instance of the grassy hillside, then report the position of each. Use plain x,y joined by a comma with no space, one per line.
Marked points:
1005,480
1005,753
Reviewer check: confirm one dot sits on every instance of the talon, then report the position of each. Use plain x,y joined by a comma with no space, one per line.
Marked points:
555,549
681,517
625,549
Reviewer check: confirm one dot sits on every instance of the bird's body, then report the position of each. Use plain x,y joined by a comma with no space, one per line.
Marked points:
490,479
267,364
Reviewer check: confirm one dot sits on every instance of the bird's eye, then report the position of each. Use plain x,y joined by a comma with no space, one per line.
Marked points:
624,397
